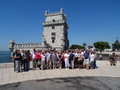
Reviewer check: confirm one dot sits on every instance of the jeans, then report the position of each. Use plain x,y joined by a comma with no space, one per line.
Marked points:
94,64
72,63
26,66
17,65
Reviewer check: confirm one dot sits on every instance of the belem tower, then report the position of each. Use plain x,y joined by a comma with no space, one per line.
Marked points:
54,36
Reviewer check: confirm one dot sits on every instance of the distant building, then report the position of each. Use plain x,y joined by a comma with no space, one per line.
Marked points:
55,34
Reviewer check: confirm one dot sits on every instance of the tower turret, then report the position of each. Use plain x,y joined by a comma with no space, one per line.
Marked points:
11,45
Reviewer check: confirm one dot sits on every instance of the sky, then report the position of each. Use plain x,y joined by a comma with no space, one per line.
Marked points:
88,20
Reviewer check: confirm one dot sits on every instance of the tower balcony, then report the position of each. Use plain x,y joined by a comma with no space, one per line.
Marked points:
54,22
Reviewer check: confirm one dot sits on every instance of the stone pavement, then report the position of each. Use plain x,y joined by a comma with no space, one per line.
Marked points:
8,76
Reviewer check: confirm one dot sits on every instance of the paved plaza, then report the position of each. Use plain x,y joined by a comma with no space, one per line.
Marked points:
104,77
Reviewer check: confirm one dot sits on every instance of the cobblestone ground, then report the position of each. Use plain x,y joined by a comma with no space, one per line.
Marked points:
104,77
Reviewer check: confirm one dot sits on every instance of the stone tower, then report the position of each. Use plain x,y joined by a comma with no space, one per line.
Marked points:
56,30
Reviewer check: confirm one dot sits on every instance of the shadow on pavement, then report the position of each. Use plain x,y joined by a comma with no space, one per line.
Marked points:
72,83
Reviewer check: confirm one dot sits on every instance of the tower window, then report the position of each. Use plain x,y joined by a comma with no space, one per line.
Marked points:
53,20
53,27
53,33
53,41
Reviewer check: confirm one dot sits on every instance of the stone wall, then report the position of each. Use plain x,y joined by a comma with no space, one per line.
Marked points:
6,65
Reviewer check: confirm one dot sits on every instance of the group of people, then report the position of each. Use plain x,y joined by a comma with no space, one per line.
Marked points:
51,59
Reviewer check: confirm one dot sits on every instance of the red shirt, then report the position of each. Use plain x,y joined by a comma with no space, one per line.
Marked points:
38,56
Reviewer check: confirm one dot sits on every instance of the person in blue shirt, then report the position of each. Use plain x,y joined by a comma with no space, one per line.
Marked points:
86,59
71,59
16,56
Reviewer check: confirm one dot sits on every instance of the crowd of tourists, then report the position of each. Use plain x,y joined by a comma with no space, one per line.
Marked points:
51,59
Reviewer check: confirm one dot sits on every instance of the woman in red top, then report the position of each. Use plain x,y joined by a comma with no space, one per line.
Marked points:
38,58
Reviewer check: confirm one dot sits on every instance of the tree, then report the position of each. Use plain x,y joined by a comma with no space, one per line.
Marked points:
116,45
101,45
75,46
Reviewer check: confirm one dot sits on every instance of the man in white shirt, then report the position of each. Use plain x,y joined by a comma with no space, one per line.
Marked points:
66,56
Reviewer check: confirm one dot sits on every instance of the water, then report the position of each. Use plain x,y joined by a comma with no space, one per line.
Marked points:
5,56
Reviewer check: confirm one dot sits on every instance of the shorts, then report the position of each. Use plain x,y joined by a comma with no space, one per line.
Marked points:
86,61
54,62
